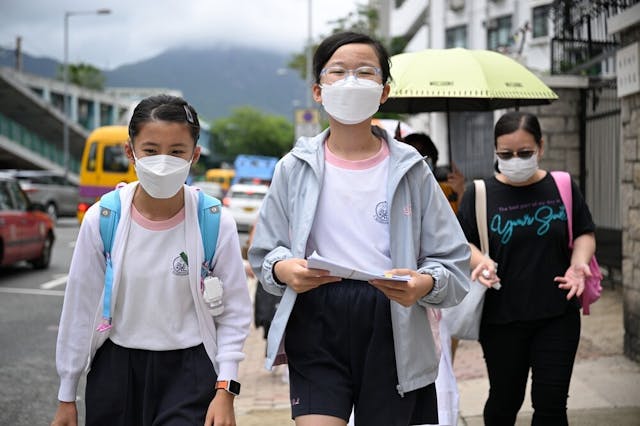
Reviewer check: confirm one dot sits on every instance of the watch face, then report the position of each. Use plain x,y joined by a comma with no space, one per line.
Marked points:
234,387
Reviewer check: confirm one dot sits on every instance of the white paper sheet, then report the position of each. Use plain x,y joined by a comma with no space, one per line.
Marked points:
315,261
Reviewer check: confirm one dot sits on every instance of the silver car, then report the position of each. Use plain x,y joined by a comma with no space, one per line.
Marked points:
244,201
58,195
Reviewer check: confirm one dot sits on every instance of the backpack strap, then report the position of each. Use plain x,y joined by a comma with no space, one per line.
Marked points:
109,217
481,215
209,222
563,182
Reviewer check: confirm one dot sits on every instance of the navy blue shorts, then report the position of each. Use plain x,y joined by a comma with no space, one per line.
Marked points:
140,387
339,345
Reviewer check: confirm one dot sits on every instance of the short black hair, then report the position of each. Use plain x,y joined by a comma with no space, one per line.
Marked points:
329,45
423,143
164,108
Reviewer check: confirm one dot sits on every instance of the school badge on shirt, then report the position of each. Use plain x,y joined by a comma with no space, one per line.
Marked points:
382,212
180,264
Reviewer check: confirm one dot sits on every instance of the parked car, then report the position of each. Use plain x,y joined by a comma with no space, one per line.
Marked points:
57,194
244,201
26,233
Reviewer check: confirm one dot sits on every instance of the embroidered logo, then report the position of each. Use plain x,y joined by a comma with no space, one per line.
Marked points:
382,212
295,401
407,210
180,265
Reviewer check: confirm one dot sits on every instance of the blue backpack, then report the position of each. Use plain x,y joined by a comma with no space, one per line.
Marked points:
208,220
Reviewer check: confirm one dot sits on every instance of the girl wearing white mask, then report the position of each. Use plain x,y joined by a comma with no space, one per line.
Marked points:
163,357
364,200
533,322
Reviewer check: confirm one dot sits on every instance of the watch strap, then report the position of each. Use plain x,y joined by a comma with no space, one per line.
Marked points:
230,386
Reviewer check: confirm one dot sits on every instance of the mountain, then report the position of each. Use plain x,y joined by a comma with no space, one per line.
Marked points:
213,80
44,67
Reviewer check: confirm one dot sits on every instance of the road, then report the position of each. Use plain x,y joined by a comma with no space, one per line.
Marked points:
30,305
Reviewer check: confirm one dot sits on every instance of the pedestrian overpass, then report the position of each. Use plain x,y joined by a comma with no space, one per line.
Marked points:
32,119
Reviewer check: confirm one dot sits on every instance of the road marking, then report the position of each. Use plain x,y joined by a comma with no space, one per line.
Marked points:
35,291
54,283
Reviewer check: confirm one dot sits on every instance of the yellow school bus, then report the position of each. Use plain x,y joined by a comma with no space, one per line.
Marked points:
104,164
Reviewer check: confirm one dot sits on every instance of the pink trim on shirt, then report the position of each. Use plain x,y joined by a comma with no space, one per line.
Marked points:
367,163
156,225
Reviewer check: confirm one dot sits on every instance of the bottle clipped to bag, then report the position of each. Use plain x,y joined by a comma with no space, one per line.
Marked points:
213,295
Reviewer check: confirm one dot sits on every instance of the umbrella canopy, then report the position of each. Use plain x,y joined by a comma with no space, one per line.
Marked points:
461,80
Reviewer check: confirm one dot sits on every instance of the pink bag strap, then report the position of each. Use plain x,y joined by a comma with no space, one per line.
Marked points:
563,182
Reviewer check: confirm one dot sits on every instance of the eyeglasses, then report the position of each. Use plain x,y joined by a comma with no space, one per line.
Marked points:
508,155
338,73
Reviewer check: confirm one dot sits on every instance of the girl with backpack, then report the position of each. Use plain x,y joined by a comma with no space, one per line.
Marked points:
157,352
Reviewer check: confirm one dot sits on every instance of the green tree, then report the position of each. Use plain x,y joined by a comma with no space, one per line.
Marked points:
365,20
83,75
249,131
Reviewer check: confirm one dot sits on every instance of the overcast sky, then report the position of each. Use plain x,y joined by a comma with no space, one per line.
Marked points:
139,29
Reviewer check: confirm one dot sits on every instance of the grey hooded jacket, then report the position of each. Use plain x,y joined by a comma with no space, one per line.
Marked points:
424,232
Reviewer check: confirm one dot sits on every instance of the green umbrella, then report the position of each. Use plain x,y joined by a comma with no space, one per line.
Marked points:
461,80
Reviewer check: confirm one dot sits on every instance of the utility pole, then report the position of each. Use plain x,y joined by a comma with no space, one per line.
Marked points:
19,54
309,56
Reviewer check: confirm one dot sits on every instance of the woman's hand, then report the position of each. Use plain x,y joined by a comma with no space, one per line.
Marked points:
486,272
220,411
455,179
573,279
405,293
66,415
295,274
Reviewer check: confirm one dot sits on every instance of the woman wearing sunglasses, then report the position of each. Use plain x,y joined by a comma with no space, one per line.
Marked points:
533,322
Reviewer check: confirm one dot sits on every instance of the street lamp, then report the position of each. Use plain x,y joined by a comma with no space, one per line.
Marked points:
65,71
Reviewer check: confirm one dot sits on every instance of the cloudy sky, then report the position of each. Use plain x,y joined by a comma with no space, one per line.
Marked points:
139,29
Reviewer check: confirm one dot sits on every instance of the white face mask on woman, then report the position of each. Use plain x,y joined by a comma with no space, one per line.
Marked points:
518,170
162,176
351,100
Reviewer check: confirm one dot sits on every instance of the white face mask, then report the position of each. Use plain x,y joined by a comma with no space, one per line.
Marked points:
518,170
162,176
351,100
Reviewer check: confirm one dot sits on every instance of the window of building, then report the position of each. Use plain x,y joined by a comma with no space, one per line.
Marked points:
456,37
540,19
499,33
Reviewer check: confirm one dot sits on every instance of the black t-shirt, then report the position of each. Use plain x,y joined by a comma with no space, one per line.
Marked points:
528,238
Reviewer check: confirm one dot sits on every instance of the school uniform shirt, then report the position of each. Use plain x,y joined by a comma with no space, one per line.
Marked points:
351,225
223,336
155,309
529,239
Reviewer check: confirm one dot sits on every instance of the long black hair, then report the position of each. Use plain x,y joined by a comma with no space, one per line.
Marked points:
516,120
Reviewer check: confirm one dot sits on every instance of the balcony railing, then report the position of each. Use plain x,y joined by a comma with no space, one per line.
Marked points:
583,57
581,44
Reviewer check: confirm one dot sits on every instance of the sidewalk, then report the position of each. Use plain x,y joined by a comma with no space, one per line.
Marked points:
605,388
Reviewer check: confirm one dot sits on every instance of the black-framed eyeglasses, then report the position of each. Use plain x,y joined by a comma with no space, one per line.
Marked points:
508,155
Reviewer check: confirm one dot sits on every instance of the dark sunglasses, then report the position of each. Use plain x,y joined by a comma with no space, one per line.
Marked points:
507,155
